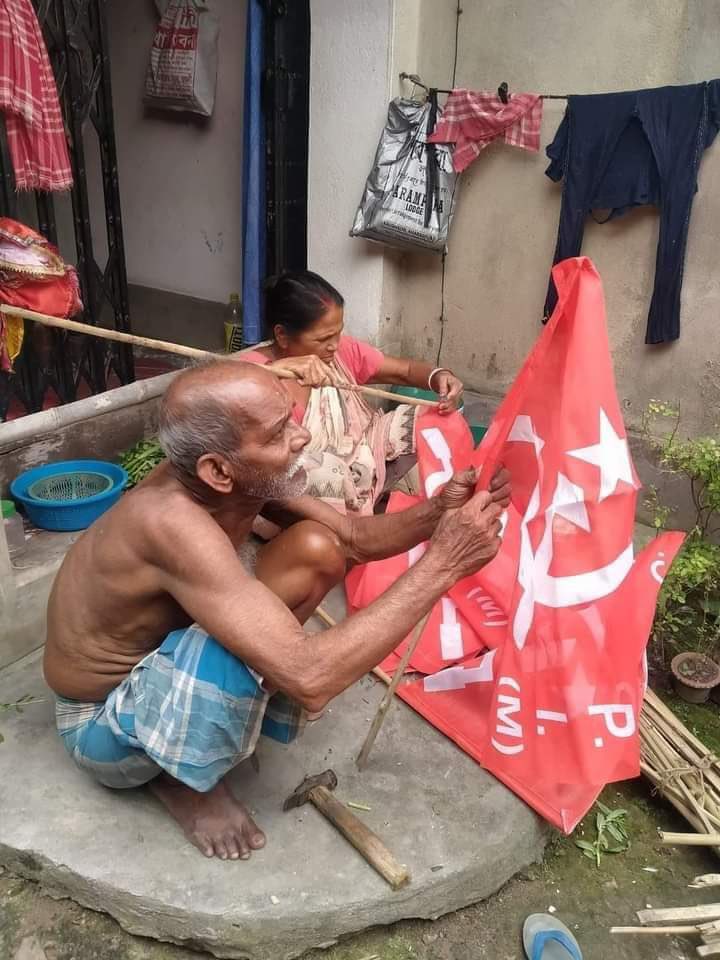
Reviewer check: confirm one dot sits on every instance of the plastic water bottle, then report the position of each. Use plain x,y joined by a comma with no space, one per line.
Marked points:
14,530
233,324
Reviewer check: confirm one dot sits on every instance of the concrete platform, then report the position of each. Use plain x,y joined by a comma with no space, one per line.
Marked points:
459,831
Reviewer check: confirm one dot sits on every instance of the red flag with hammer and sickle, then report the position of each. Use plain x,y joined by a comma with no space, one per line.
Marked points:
535,666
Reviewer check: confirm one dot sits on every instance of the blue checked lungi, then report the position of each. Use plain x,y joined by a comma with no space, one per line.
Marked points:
189,708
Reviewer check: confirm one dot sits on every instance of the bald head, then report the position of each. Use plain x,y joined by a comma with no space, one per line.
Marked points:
235,388
208,409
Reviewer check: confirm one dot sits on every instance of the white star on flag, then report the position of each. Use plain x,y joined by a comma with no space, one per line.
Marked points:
610,455
569,503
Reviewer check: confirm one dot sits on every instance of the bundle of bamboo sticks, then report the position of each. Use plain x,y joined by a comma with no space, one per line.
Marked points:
702,920
682,769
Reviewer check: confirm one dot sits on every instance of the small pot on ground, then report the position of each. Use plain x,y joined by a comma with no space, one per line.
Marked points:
694,676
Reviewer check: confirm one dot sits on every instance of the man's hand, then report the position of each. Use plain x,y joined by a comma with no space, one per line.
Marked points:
308,371
500,489
467,538
461,487
458,490
449,389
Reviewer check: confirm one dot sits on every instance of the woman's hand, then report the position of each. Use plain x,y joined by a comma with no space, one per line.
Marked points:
449,388
308,371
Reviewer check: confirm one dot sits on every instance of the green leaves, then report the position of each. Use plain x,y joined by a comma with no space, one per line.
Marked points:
141,459
17,706
612,836
590,850
688,610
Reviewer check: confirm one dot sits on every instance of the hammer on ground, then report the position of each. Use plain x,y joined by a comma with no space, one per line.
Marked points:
317,789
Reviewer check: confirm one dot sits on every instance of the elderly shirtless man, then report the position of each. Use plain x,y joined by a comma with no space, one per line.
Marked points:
169,659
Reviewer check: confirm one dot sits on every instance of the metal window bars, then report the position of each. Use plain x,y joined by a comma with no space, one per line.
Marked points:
54,361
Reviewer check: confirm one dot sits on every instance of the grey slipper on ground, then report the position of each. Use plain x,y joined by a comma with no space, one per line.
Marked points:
546,938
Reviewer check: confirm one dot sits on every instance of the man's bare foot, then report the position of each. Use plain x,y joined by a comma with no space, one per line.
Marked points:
217,823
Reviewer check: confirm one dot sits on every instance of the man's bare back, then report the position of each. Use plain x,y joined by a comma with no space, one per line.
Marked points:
108,607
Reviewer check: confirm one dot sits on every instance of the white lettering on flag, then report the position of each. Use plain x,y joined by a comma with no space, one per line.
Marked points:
506,724
457,678
495,616
451,645
441,451
609,711
656,566
546,715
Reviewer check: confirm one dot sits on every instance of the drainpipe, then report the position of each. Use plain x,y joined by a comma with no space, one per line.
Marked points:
253,174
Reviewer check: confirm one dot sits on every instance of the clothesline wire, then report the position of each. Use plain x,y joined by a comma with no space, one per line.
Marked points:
443,319
415,79
458,12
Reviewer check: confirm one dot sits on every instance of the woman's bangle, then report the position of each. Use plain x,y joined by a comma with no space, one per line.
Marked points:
438,370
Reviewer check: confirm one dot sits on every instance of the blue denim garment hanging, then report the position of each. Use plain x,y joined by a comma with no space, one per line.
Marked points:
615,151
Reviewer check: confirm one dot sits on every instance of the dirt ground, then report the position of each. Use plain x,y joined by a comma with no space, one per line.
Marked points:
587,898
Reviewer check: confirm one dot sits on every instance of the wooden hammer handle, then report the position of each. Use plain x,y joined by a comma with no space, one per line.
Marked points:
361,837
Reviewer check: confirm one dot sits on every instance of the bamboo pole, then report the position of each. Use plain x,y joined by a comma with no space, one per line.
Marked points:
390,682
705,880
665,930
117,335
387,395
689,839
682,769
701,914
379,718
181,349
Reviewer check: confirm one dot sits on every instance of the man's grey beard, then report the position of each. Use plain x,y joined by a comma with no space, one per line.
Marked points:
291,483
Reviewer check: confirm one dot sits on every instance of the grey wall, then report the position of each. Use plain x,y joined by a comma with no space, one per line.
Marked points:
349,91
101,427
180,178
173,316
503,237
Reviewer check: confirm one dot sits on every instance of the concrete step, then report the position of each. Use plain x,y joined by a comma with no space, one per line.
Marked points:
24,600
460,832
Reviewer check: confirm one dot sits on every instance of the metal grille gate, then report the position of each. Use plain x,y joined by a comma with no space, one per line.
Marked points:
53,361
287,109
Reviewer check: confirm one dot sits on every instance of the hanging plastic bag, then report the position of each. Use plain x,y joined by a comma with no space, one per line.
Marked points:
182,72
409,195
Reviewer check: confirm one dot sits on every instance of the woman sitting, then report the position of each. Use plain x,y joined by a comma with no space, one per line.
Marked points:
351,441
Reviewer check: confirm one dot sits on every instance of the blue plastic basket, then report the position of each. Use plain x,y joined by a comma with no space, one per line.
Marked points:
68,514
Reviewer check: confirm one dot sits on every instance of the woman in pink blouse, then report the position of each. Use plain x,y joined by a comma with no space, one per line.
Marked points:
351,442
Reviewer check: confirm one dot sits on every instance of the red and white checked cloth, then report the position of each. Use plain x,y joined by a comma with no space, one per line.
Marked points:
472,119
28,96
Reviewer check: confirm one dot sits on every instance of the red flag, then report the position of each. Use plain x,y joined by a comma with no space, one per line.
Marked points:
447,636
553,709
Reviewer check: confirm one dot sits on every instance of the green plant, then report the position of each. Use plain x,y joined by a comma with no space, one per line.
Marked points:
141,459
611,834
688,610
17,706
